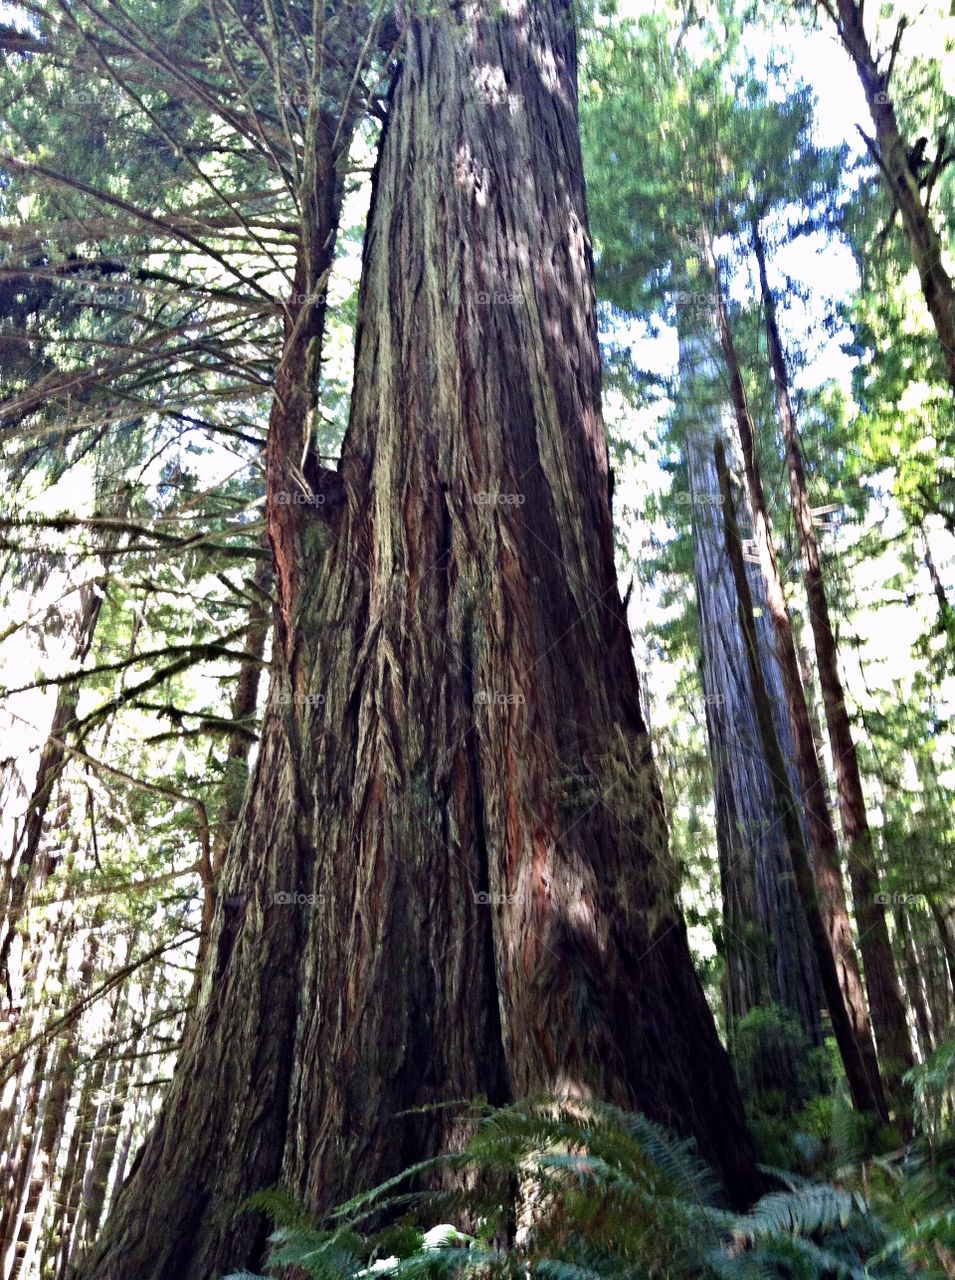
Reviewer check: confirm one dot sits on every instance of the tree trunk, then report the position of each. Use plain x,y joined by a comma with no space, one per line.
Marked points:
43,1165
212,1147
454,845
914,985
24,873
892,155
856,1071
766,943
235,785
881,977
945,935
492,907
77,1158
822,837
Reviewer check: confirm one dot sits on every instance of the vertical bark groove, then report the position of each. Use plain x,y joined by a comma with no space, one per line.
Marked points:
881,977
769,957
822,837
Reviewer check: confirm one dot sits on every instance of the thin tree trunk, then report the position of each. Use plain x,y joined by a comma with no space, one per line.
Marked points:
914,985
26,1089
945,935
892,155
822,837
856,1071
766,943
24,874
881,977
43,1165
25,871
244,703
71,1183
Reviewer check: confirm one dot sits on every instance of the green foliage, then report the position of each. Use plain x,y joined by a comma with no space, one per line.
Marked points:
768,1033
578,1190
933,1089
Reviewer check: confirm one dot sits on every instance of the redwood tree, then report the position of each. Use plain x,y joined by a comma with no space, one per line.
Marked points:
863,1071
899,170
881,977
479,733
766,943
451,875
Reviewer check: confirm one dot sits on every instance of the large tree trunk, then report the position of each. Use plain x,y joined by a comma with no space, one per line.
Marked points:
766,943
493,908
881,978
822,837
450,874
892,155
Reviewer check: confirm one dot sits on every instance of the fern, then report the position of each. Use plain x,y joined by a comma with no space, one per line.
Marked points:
603,1195
801,1212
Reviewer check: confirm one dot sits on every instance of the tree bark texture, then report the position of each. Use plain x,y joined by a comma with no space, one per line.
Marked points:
769,956
822,836
855,1067
450,876
878,961
482,797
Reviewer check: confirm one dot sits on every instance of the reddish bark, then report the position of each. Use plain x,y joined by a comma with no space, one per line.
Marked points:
881,978
822,837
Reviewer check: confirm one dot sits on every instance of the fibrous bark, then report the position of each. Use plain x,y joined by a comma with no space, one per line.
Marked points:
453,876
768,951
881,978
855,1067
482,796
822,838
